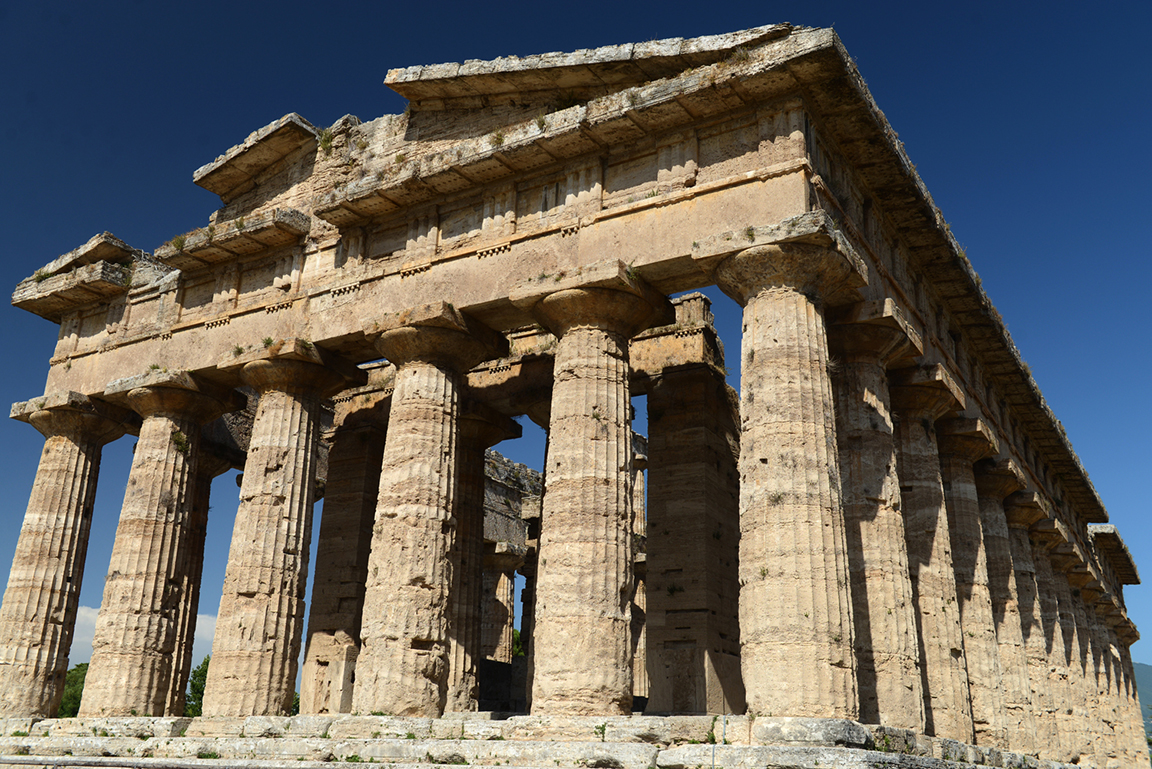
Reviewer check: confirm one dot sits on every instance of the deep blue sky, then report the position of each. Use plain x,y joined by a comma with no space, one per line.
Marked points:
1028,122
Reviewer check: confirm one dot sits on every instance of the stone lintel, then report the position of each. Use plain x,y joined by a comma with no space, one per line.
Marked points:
970,438
613,66
51,297
234,172
1106,539
927,391
997,477
295,349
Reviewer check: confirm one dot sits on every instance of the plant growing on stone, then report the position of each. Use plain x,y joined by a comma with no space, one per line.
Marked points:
750,233
40,275
178,242
325,141
180,441
497,139
237,350
268,342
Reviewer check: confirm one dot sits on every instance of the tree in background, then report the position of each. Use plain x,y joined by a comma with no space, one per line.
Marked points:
73,690
194,702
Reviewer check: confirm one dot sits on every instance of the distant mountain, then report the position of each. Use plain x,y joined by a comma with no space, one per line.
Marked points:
1144,687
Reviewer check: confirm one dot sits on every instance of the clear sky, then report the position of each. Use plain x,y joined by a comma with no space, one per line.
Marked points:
1027,121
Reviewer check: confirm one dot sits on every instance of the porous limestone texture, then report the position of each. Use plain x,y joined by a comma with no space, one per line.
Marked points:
351,487
140,620
920,397
582,660
995,480
1021,510
39,611
962,442
403,662
1071,742
795,609
259,627
693,633
480,428
866,340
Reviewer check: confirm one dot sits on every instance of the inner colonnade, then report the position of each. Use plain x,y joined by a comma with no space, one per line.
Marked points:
886,524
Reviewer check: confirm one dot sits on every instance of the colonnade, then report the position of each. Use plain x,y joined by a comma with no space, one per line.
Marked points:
893,564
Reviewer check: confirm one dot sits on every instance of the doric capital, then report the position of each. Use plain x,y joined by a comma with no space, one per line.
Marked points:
877,332
607,295
1048,533
438,334
1023,508
322,371
815,270
176,394
998,477
75,416
482,426
967,439
925,392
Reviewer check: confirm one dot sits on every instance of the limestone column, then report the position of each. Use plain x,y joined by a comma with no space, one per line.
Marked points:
995,480
480,428
693,633
962,443
403,663
137,630
208,466
1077,656
866,339
334,617
260,624
38,615
582,659
1134,720
639,630
1022,509
1071,737
498,613
795,607
920,396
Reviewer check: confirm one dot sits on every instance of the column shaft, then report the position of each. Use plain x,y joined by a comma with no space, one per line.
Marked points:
693,634
944,675
1070,743
963,442
38,615
498,612
259,628
994,483
137,630
884,612
582,661
342,564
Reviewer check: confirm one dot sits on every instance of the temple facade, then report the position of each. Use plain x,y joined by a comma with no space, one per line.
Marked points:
885,524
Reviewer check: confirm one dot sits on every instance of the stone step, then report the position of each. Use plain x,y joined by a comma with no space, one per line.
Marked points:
519,742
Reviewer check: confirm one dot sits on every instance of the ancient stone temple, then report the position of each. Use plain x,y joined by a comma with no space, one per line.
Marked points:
885,526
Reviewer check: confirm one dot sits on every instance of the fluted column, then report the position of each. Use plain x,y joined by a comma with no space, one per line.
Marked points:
995,480
1022,509
795,607
480,428
921,396
191,571
350,491
137,630
866,338
498,612
963,442
582,663
1077,658
38,615
260,624
1136,743
403,663
693,634
1071,737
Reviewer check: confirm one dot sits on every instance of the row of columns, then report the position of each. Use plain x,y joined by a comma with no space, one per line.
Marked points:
876,578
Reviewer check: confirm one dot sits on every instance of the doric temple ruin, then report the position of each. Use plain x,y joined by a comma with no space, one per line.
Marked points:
884,541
